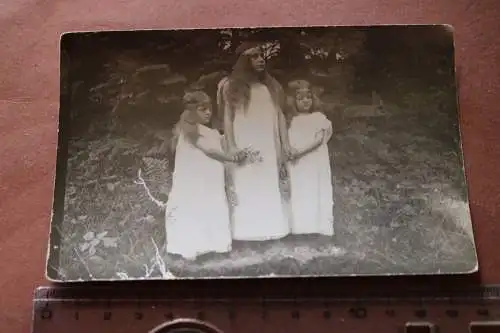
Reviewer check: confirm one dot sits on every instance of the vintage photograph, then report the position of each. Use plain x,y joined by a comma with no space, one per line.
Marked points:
259,152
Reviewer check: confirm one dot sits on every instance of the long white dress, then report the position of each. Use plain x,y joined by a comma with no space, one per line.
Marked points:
197,214
259,213
310,178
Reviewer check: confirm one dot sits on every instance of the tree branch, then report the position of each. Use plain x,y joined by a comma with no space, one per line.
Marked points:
140,181
84,263
165,273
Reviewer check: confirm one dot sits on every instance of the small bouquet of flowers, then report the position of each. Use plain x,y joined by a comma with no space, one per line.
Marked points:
250,155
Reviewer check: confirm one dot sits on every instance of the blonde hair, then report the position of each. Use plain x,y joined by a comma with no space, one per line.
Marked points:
188,122
293,88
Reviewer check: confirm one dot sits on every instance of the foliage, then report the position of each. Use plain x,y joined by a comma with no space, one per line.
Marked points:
400,200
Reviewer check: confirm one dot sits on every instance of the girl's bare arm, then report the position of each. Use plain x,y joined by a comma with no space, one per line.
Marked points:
315,145
216,154
328,131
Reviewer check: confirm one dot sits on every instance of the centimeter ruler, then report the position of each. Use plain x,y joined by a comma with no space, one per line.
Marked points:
59,309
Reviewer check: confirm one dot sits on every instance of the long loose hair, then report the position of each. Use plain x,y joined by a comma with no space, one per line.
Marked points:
239,83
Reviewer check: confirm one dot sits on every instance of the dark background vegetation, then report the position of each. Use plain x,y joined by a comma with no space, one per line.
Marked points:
400,197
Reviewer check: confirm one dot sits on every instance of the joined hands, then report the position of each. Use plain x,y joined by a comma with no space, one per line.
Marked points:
293,154
247,155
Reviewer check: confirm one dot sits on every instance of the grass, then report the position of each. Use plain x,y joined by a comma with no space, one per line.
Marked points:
400,208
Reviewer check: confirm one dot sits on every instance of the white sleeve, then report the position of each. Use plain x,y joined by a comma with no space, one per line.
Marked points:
323,122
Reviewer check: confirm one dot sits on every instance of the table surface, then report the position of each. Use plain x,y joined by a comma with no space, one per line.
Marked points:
29,104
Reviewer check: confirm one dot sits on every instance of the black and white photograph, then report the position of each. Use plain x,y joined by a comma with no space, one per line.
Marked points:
259,152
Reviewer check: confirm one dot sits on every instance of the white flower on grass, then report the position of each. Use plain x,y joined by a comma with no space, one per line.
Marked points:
92,240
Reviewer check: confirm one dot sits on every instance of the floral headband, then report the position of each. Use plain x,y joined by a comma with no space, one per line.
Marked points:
298,86
195,98
248,48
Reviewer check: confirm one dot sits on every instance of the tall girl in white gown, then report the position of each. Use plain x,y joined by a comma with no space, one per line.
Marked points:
310,170
253,120
259,213
197,214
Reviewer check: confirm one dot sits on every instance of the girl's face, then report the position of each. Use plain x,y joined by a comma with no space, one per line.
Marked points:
203,113
304,101
256,60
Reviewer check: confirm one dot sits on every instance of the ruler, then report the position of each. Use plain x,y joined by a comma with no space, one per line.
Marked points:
253,308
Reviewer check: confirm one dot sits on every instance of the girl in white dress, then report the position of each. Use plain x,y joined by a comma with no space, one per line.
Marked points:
249,101
197,213
310,171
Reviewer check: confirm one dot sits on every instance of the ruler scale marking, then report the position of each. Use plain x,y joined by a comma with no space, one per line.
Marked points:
58,310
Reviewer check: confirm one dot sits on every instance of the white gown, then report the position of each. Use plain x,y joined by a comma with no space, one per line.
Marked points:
259,213
310,178
197,215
